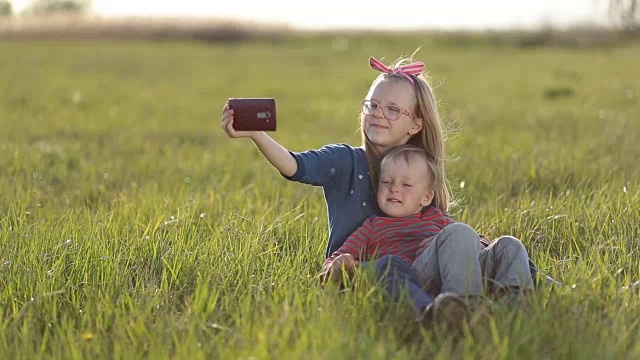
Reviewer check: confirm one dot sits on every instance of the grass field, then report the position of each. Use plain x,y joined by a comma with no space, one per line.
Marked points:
132,227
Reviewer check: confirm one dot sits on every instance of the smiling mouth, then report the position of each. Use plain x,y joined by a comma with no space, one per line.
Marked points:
378,126
394,200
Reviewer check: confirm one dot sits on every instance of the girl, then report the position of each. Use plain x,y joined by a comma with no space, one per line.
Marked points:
399,109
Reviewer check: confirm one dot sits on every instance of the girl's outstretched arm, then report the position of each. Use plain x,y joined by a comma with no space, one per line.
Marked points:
275,153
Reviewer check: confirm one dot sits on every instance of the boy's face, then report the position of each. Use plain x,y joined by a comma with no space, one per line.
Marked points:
404,188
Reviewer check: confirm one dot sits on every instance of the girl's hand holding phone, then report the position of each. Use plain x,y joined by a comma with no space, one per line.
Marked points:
252,118
244,117
227,124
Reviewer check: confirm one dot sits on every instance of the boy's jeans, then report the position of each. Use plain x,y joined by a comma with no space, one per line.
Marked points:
396,276
456,262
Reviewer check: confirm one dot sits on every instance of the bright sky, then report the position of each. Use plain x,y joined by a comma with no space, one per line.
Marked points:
467,14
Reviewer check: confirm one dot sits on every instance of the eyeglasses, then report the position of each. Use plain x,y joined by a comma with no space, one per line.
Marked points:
390,112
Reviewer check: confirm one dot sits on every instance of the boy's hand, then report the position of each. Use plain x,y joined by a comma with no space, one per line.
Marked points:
424,245
345,260
333,272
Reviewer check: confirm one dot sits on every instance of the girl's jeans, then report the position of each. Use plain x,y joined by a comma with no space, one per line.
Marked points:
456,262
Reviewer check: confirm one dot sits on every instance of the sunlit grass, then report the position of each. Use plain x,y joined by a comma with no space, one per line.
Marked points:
133,228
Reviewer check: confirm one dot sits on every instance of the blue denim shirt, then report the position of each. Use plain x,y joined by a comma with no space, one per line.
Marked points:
343,172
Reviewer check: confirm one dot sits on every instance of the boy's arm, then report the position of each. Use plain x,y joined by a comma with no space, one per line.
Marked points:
356,244
349,254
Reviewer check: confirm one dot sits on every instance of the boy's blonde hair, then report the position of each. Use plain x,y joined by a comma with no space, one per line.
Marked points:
430,138
410,153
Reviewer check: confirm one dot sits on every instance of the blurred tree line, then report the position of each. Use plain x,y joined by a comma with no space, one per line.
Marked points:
46,7
5,8
625,14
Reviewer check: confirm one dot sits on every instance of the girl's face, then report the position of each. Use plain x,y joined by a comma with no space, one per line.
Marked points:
394,95
404,187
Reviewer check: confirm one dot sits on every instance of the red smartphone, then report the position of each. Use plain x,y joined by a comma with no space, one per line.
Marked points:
253,114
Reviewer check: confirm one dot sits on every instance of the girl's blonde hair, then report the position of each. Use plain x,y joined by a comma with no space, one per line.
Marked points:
430,137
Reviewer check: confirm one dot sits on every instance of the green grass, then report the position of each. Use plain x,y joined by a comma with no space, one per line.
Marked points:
132,227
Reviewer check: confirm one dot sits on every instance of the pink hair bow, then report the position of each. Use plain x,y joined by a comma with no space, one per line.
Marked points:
415,68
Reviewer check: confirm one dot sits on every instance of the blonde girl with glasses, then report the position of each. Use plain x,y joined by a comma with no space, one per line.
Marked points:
399,109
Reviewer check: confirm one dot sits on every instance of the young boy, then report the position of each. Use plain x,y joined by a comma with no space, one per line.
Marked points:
407,186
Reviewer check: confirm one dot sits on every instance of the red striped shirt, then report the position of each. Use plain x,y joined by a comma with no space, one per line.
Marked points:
379,236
